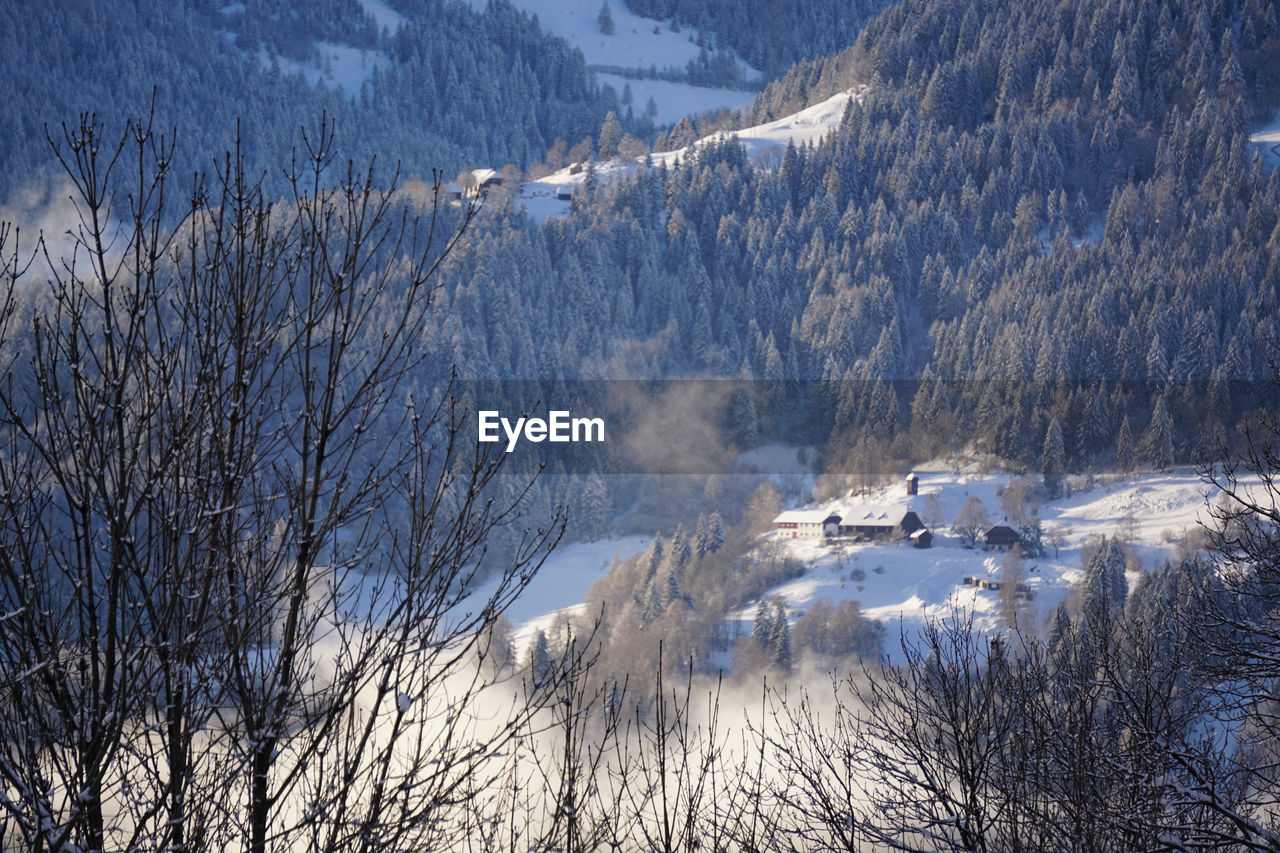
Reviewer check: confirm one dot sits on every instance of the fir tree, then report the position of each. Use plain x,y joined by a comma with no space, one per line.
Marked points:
1158,441
605,20
762,626
1124,446
715,533
780,637
1053,458
610,136
540,666
700,538
1059,631
597,508
680,552
1104,588
671,590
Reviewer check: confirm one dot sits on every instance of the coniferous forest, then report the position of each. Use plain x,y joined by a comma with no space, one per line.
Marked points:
256,570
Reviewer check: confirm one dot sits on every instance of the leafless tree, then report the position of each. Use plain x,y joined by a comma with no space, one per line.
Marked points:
237,553
970,521
1237,623
666,764
910,754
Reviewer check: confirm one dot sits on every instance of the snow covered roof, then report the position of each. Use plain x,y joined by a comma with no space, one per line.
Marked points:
803,516
1001,531
482,175
878,515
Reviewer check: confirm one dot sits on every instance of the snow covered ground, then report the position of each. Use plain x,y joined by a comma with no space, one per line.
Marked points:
901,585
562,583
637,43
387,18
765,144
339,66
675,100
1268,141
768,140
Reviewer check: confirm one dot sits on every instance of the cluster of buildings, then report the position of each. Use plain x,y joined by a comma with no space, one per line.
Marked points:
858,522
878,522
1021,590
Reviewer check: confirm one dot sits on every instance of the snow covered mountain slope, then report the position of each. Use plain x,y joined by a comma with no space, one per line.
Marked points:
764,143
903,586
639,45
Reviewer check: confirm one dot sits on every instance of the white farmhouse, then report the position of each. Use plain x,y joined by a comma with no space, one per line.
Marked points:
807,524
867,522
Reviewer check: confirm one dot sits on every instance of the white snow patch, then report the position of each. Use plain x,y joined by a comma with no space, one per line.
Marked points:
339,66
811,124
676,100
384,15
765,145
562,581
636,43
1268,140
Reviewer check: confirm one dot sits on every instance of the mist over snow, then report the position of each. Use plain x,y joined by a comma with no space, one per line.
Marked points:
561,585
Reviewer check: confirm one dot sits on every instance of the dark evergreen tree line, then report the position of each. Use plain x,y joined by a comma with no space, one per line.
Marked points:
972,254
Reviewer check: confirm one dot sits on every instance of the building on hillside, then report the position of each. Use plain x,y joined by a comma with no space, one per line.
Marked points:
487,179
879,522
922,538
476,183
913,484
807,524
1002,537
866,522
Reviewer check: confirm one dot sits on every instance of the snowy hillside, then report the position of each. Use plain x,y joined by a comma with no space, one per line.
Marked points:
639,45
338,66
673,100
562,584
764,143
902,585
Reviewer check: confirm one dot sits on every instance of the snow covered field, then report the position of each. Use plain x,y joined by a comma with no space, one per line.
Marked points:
339,67
676,100
901,585
386,17
637,43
